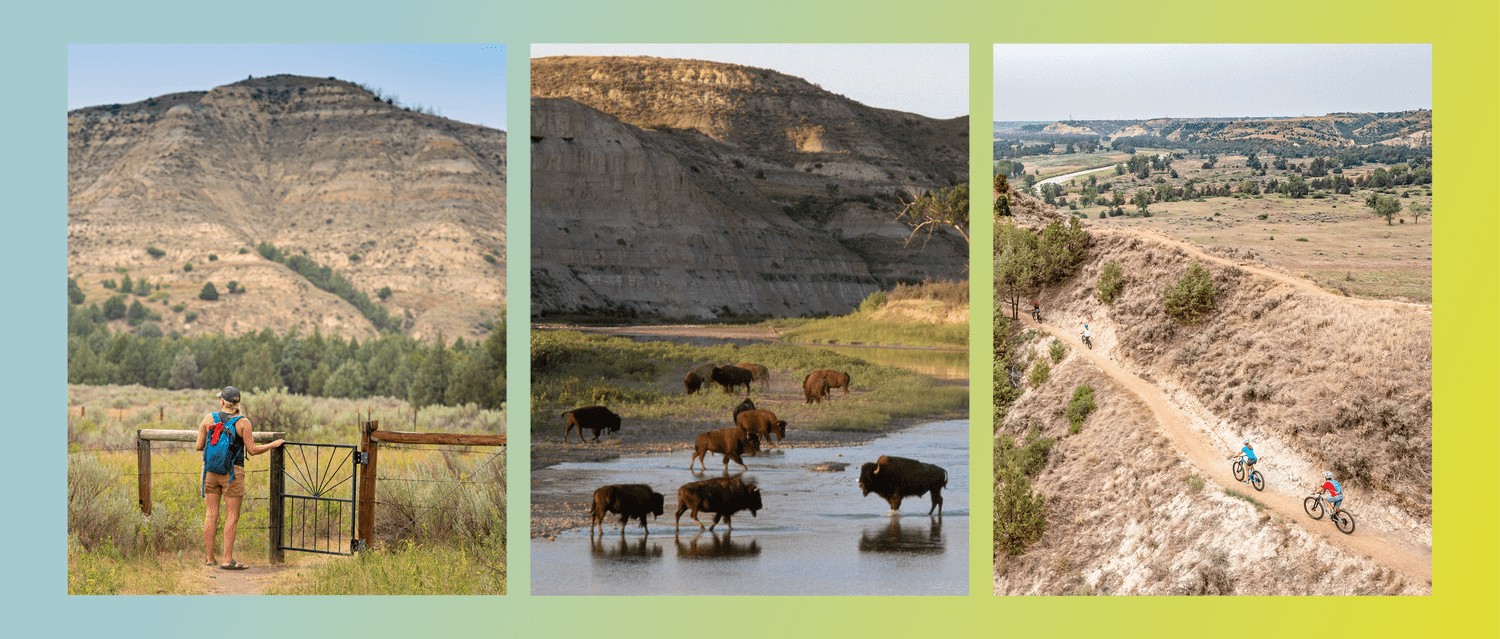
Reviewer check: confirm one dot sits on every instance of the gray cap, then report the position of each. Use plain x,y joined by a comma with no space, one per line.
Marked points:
230,394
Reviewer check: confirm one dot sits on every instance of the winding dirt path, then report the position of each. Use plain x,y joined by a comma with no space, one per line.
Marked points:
1385,548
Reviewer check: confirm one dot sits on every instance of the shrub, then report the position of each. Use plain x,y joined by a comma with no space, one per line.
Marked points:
136,314
489,258
1110,282
155,252
1262,216
1039,374
1080,407
1300,239
178,307
75,294
384,292
1020,515
233,286
873,302
354,257
244,250
126,284
1195,482
143,288
1057,350
190,317
209,293
109,284
114,307
187,268
213,257
1192,296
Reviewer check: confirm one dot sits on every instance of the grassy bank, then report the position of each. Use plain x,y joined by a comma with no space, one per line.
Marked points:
642,381
929,314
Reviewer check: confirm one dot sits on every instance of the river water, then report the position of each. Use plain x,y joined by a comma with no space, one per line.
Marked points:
816,535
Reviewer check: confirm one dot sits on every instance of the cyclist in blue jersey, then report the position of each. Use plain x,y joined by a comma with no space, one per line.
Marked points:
1249,452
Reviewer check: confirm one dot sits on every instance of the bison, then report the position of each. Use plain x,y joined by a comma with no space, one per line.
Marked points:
742,407
835,379
730,377
897,477
594,418
815,388
627,501
729,442
761,423
722,496
697,377
758,373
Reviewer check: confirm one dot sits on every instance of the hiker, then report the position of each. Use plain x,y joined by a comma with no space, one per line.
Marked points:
224,437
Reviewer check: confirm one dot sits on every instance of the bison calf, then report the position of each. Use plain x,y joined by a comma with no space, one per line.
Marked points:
594,418
729,442
815,388
697,377
897,477
627,501
835,379
761,423
758,373
722,496
730,377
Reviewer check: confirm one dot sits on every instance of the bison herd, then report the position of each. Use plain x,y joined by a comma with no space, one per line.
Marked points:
892,478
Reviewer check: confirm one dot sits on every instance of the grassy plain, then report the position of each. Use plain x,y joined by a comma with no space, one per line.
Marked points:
1333,239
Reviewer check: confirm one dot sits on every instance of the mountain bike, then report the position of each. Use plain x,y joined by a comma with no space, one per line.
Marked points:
1256,480
1036,314
1316,505
1087,342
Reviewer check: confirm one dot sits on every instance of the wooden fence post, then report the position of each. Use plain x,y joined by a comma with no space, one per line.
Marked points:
274,516
143,472
366,514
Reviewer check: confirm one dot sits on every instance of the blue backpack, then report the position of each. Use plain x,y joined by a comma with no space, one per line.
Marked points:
220,449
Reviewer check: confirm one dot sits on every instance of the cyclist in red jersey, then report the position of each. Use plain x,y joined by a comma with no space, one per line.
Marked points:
1335,491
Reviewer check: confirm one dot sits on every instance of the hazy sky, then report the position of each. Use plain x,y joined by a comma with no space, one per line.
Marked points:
1143,81
466,82
929,79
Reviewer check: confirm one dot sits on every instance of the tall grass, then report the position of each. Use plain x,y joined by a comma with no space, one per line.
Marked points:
409,569
933,313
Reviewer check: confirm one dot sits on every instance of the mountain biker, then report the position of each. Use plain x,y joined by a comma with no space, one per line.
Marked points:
1036,310
1086,333
1335,491
1249,452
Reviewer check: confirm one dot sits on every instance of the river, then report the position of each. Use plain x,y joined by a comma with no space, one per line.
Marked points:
816,535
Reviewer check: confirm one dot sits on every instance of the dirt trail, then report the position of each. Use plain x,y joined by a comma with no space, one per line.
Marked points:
252,581
1413,559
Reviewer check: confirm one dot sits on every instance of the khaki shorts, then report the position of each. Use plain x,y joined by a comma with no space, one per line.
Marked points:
216,484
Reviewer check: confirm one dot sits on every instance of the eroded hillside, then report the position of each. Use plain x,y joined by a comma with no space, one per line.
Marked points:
1137,501
696,189
383,196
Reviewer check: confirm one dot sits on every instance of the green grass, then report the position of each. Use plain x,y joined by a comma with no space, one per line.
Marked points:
642,381
409,569
858,328
1241,496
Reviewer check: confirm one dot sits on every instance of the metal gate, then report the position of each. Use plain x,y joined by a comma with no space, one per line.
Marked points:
305,496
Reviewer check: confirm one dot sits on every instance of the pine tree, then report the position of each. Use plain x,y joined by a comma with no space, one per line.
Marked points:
430,386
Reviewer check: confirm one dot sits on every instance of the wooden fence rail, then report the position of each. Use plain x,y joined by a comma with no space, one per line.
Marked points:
370,437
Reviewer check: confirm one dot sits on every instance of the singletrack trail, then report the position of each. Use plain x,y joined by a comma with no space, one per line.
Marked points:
1413,559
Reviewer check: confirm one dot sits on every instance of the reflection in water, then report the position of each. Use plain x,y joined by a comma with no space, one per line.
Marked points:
914,540
716,547
624,550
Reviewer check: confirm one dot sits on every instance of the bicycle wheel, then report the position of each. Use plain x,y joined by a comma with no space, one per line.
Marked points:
1314,507
1256,480
1239,470
1345,522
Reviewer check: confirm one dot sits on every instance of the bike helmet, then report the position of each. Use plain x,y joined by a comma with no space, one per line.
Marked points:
1247,441
1327,475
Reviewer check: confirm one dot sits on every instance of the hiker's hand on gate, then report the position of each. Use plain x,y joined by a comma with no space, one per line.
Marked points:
277,443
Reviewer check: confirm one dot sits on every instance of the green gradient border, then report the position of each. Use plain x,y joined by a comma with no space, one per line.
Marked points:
1466,293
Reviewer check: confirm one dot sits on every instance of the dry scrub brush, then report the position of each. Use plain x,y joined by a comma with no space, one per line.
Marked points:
1347,383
